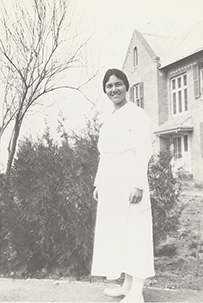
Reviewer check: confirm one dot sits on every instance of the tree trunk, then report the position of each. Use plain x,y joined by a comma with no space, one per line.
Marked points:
12,148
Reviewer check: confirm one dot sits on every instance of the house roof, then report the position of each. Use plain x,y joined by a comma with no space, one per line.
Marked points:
160,44
175,125
173,49
188,43
143,39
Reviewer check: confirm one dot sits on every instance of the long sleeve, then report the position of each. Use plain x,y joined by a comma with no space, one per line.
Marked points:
143,149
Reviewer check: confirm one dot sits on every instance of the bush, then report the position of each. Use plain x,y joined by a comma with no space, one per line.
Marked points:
48,211
165,194
51,212
5,198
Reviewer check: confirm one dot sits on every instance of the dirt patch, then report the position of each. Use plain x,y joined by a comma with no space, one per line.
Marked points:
184,268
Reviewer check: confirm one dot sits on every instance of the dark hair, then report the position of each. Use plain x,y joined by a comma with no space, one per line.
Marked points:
119,74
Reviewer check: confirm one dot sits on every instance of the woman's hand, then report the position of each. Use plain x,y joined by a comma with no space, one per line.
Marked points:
135,195
95,193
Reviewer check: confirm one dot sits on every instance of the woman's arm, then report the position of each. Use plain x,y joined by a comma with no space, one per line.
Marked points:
143,149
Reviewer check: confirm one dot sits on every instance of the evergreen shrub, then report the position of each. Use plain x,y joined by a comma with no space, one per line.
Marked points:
51,213
48,211
165,192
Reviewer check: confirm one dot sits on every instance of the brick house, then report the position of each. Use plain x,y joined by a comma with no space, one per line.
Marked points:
166,79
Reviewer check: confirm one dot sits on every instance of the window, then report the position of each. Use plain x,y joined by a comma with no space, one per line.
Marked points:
135,57
180,146
185,98
174,103
179,94
177,145
137,94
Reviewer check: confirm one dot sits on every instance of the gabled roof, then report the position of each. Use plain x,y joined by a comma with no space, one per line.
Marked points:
139,36
160,44
188,43
173,49
175,125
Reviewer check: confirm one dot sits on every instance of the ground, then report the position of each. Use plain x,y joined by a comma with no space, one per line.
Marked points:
36,290
184,268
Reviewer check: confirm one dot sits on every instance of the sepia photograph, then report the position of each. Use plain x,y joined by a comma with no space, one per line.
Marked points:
101,151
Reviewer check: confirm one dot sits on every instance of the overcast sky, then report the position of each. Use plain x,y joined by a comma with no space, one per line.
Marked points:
113,23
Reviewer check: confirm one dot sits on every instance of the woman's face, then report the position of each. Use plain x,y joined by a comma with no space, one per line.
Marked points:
116,90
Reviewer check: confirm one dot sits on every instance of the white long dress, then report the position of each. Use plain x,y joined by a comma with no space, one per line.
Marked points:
123,233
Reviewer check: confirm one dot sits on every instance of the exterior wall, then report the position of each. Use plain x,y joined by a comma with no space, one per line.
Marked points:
164,108
164,143
195,109
145,72
157,96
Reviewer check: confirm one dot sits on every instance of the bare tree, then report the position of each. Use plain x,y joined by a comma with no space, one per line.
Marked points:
38,49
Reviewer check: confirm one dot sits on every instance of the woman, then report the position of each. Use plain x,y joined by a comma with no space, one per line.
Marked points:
123,234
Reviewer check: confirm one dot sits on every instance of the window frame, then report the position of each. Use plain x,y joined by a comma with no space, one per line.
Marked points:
180,146
137,94
135,57
179,94
177,147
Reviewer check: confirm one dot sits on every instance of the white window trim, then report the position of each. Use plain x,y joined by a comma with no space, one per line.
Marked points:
178,91
135,57
137,94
